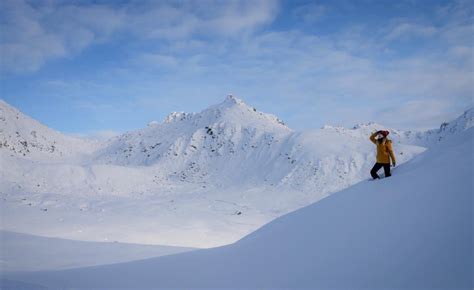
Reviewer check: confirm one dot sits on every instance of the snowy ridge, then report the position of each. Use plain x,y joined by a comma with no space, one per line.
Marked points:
426,138
24,137
23,252
445,131
360,130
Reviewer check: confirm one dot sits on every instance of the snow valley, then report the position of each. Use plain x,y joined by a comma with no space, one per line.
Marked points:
195,180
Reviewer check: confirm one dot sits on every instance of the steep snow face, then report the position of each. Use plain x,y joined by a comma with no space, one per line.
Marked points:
411,231
22,136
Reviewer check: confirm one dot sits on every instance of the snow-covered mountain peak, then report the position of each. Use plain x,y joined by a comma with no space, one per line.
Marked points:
463,122
9,112
446,131
360,126
229,103
222,131
370,125
177,116
232,111
230,100
235,111
359,130
23,136
331,127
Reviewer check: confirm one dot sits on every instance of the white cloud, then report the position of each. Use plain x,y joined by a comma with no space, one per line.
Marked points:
33,33
25,45
462,52
310,12
455,11
158,60
406,30
355,70
292,67
240,15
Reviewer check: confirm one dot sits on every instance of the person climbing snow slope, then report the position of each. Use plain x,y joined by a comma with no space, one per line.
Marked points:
384,153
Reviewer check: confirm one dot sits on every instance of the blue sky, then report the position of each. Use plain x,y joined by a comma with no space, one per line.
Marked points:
101,67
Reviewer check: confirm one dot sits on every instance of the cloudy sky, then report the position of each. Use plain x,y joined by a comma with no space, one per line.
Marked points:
99,67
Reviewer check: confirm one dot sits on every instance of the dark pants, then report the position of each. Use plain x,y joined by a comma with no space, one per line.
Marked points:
377,166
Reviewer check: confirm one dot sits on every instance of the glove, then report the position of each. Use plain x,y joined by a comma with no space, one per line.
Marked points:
394,164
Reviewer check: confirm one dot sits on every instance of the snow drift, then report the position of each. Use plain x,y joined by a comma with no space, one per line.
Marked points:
413,229
22,252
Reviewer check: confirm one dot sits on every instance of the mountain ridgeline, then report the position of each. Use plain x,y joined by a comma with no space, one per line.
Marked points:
192,147
227,145
22,136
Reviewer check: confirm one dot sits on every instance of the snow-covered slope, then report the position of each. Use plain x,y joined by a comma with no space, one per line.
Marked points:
413,230
196,180
445,131
21,136
22,252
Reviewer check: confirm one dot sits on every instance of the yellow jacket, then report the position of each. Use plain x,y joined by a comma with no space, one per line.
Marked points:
384,150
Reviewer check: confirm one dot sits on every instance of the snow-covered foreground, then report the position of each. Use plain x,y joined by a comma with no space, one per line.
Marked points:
20,252
411,230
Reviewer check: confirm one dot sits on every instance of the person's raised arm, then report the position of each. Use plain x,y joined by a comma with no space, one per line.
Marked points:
372,137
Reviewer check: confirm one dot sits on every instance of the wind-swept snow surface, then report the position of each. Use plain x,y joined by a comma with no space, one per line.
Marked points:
413,229
20,252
